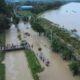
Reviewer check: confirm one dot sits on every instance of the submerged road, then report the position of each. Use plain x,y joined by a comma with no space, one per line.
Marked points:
58,69
16,62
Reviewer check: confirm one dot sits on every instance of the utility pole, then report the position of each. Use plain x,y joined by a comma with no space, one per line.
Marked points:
51,33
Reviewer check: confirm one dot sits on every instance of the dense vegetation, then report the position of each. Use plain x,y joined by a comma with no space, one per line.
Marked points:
75,67
33,64
5,9
2,66
62,33
2,71
41,7
4,22
36,26
4,15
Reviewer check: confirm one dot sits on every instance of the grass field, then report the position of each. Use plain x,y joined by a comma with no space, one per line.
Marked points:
33,64
24,13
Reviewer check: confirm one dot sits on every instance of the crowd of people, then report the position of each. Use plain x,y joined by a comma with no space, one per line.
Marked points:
43,58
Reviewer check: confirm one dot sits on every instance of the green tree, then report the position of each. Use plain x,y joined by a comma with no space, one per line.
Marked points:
36,26
4,22
75,67
4,8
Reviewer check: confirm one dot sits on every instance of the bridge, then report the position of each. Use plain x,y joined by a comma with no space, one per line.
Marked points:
14,47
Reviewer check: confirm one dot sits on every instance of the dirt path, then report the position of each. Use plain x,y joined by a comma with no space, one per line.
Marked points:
16,63
58,69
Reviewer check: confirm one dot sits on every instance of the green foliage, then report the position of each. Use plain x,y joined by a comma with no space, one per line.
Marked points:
5,12
4,22
41,7
2,38
19,36
4,8
2,71
15,20
62,48
36,26
24,13
33,64
62,33
2,42
75,67
2,55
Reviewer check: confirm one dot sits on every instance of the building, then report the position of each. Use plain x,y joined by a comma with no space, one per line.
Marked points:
25,7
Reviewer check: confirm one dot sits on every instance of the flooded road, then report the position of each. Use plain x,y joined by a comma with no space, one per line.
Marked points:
17,65
15,61
58,69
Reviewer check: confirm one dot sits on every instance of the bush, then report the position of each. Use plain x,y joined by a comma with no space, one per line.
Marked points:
41,7
2,71
19,36
15,19
36,26
75,67
4,23
2,55
62,48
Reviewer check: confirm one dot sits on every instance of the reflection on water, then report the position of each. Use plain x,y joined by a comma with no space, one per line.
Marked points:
67,16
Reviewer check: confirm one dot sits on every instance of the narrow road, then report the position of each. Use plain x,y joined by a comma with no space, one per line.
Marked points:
58,69
16,62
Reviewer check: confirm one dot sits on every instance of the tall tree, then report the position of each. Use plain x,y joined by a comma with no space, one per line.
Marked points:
5,12
4,22
4,8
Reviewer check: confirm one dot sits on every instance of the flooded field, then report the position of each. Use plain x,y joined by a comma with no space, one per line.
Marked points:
68,16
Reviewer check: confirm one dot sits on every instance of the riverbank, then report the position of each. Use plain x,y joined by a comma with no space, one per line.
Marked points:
61,32
67,16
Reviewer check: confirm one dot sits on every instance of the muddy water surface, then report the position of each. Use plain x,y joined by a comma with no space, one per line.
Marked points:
58,69
16,62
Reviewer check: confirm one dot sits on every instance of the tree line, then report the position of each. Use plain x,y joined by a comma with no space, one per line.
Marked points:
5,14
